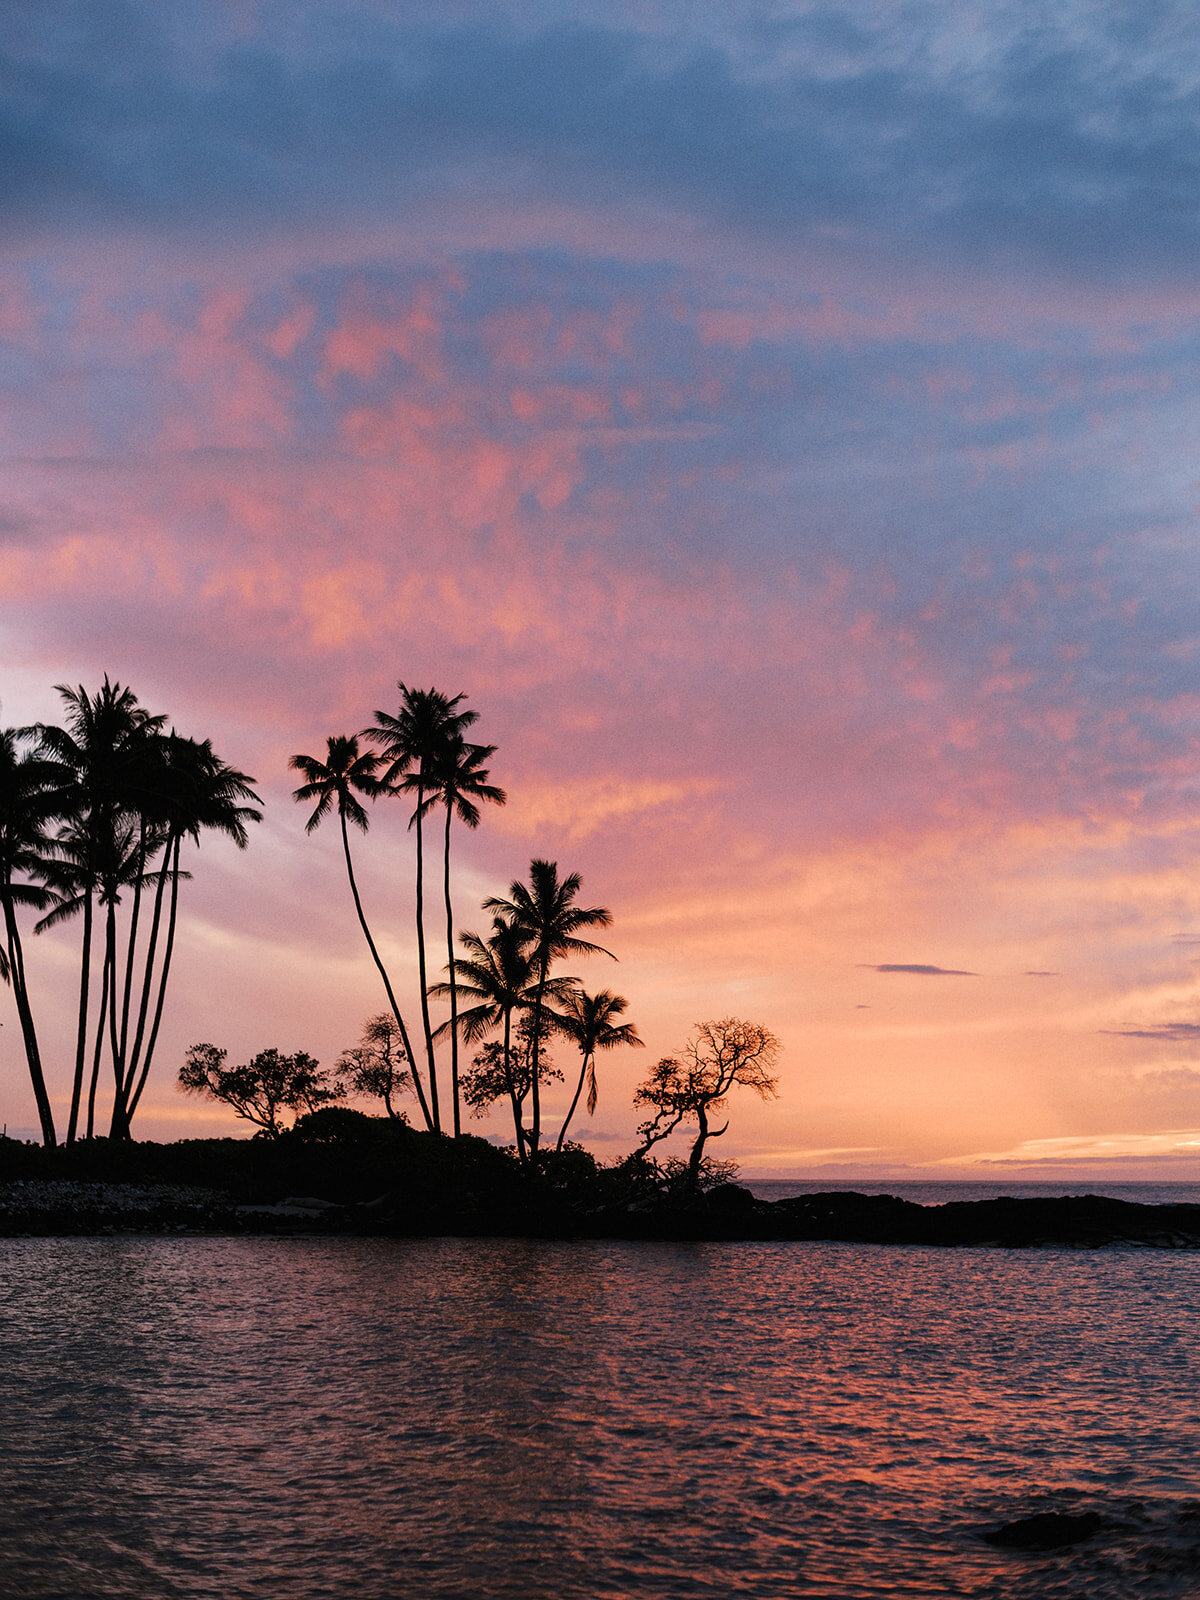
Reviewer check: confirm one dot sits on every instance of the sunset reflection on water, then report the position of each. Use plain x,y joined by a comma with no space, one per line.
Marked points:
499,1418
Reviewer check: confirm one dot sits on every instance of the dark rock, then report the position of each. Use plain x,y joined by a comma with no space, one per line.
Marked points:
727,1197
1048,1530
1081,1222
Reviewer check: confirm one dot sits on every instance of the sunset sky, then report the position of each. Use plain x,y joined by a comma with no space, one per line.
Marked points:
781,420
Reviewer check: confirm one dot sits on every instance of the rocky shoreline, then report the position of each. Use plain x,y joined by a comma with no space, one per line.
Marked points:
71,1207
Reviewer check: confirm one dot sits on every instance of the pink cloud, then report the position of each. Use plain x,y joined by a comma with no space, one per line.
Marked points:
773,762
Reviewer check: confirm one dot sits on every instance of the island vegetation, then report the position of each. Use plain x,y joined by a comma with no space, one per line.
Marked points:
95,817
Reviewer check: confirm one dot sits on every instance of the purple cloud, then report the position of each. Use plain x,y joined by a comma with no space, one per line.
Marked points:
1170,1032
919,969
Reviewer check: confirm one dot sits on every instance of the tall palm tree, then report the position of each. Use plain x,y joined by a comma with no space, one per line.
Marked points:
338,780
546,919
72,879
459,781
195,791
411,744
106,740
90,871
32,794
590,1019
134,791
498,979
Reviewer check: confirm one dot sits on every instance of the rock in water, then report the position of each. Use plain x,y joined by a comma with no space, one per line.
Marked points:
1049,1530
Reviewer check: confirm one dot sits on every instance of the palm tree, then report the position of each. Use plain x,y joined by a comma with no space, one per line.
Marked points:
32,794
123,866
458,781
106,739
72,879
547,921
497,978
133,791
194,790
411,745
344,774
589,1019
90,871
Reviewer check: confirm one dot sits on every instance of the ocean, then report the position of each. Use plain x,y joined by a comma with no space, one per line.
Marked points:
925,1193
342,1419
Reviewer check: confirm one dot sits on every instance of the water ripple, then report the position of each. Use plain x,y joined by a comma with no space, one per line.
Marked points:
308,1418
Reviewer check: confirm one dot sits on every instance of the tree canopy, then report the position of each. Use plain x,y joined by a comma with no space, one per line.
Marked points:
687,1088
263,1089
94,816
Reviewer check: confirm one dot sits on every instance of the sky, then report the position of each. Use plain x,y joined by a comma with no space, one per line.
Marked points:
780,421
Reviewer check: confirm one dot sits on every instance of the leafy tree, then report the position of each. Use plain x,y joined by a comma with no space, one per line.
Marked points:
263,1089
345,774
547,923
496,1071
719,1057
412,744
334,1125
590,1019
380,1065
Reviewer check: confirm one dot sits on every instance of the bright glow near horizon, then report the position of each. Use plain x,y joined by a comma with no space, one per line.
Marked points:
805,498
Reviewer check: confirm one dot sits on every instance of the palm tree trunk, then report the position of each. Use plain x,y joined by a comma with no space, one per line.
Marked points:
453,984
562,1132
118,1122
148,973
535,1131
16,976
99,1047
85,972
130,950
387,983
168,948
433,1088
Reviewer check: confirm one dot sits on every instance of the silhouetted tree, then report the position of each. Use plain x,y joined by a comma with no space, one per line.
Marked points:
547,921
498,979
379,1065
134,791
412,743
590,1019
263,1089
72,880
346,773
31,797
193,791
105,745
458,780
720,1056
496,1072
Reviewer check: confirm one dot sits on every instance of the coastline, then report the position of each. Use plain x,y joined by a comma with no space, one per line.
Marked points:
63,1208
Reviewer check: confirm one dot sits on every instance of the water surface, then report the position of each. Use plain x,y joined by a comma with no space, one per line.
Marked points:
363,1419
924,1193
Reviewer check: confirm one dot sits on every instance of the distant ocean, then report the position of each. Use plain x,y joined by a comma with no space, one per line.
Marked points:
938,1194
